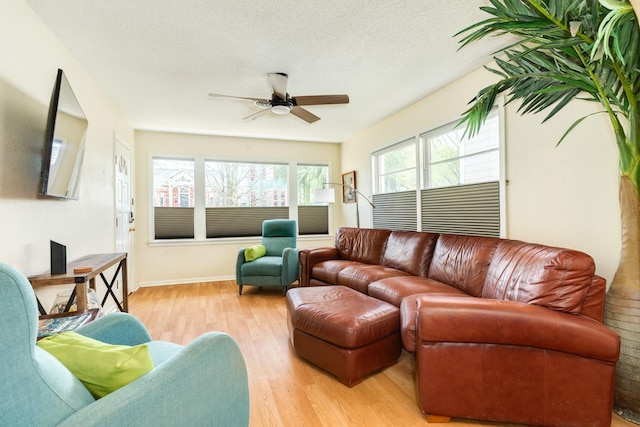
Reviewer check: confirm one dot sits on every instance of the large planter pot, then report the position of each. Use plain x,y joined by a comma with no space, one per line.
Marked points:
622,306
623,316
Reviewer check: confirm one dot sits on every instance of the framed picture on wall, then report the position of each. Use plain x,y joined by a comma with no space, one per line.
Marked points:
349,187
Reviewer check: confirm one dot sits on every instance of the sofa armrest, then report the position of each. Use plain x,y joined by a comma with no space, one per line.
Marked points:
116,328
489,321
310,257
205,384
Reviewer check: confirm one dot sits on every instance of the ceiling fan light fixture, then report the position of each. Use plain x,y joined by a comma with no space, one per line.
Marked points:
280,109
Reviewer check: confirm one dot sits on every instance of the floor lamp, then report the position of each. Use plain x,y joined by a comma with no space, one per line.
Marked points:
328,195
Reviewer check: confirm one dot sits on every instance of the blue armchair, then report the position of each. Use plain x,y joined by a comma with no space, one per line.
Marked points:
279,267
203,383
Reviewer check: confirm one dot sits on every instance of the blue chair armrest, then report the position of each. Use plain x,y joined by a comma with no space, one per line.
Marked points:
116,328
205,384
239,261
290,266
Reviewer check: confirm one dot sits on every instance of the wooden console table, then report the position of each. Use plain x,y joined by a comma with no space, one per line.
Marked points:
99,263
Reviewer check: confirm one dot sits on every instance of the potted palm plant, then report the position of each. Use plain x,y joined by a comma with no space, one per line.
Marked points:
586,49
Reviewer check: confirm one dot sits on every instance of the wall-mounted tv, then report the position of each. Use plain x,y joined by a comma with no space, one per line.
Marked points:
64,143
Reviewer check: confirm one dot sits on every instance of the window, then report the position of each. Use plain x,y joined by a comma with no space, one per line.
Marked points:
312,218
395,187
396,167
454,160
460,182
240,196
198,198
173,198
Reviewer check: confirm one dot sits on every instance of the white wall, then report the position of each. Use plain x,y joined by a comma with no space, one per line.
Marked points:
167,263
31,56
565,196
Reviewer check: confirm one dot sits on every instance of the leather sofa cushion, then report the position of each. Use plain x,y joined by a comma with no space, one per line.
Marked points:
555,278
394,289
410,251
462,261
359,276
362,244
327,271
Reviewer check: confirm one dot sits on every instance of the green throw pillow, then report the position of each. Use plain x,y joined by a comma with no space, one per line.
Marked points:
254,252
101,367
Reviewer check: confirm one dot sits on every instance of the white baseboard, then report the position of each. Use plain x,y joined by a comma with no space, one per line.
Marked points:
185,281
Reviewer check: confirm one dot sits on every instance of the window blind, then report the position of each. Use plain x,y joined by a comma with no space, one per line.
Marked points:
241,222
396,211
466,209
313,220
173,223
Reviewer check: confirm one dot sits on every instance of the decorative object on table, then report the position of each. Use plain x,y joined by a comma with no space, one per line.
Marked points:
349,187
580,50
328,195
58,256
55,325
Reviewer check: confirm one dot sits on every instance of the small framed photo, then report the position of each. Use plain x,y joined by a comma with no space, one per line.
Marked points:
349,187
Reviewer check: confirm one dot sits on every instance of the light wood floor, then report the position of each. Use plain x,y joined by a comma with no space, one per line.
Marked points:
285,390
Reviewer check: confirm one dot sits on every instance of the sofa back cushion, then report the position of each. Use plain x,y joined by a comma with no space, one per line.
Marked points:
462,261
555,278
362,244
410,251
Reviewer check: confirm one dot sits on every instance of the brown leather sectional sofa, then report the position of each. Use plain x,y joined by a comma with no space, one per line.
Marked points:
502,330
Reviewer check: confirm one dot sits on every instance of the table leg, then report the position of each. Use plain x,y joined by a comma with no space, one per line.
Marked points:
81,296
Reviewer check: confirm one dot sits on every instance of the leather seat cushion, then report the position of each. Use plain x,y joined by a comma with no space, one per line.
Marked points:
327,271
359,277
394,289
341,315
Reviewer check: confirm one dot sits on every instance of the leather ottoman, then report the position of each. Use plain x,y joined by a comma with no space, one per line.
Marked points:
343,331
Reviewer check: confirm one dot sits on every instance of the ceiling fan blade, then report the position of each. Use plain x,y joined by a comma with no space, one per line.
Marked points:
256,114
305,115
278,82
321,99
218,95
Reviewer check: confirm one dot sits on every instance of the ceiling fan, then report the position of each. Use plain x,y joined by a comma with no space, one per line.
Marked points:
282,103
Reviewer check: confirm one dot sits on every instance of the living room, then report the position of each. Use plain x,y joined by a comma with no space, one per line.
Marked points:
565,196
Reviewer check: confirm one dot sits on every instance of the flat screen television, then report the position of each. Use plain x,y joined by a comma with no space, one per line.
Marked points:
64,143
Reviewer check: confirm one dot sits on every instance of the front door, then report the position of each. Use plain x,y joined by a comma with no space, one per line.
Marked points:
124,208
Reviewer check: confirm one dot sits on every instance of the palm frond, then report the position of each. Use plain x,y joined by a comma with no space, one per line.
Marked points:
565,50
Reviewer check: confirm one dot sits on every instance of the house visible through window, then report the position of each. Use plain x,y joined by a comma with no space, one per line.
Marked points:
173,198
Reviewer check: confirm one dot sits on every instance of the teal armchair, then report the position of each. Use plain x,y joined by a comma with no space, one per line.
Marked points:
279,267
202,384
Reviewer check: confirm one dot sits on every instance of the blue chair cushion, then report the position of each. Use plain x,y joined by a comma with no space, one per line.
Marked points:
265,266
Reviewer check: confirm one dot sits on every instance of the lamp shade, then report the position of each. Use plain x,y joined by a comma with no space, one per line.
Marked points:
324,195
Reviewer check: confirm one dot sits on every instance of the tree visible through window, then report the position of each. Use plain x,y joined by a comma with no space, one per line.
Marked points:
396,167
233,184
454,160
312,217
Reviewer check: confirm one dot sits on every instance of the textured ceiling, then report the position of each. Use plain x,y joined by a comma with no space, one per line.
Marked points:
158,59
